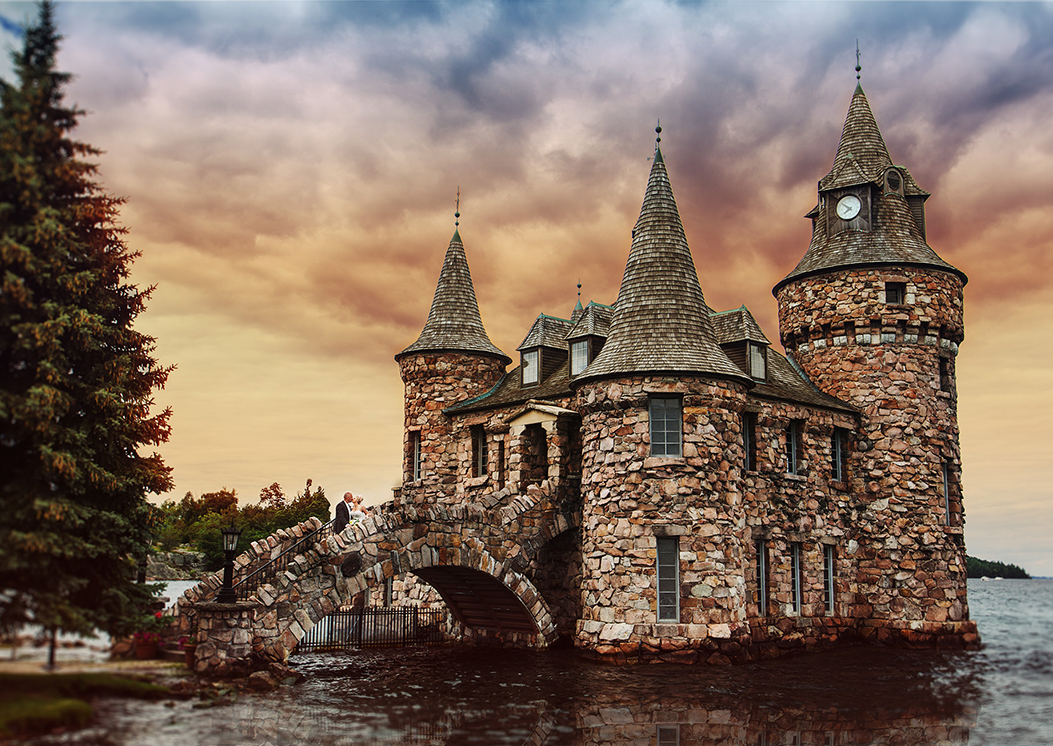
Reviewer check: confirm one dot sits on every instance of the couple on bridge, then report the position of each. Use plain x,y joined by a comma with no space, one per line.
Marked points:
347,510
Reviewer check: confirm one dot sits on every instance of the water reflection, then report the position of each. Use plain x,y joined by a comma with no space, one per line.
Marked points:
496,697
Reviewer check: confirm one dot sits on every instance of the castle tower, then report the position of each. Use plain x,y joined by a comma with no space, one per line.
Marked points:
660,425
452,360
874,316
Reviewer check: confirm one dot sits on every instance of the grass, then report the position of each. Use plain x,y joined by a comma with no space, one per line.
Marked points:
40,703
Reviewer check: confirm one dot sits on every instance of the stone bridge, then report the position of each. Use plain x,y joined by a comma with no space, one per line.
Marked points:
484,558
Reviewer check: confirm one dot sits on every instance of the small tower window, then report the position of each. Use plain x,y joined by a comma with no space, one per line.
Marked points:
793,448
414,453
749,439
829,578
795,577
479,454
668,579
531,367
762,577
947,469
758,361
945,373
666,425
579,356
839,455
895,293
893,182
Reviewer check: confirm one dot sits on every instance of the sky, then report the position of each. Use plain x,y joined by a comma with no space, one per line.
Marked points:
291,171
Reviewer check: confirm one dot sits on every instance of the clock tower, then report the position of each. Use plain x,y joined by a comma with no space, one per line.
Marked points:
874,317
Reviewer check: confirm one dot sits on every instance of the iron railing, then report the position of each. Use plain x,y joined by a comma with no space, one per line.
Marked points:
375,627
248,585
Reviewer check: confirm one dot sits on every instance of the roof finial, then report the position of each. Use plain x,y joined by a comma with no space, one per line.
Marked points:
457,213
858,66
658,132
579,289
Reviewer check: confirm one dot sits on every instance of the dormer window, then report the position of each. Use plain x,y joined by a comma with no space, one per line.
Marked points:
579,356
757,358
531,367
893,182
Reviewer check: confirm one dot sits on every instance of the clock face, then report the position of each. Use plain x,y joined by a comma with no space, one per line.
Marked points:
848,207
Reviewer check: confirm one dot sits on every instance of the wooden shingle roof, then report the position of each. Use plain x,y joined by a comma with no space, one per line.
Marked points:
454,323
547,331
737,325
895,238
593,321
661,320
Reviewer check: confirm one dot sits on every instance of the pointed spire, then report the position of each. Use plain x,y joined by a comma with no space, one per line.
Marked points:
861,155
661,320
454,323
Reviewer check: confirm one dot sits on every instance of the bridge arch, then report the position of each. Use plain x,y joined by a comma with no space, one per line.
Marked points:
475,560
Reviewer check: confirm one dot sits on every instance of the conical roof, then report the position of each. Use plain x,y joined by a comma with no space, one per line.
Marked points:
895,237
454,323
661,320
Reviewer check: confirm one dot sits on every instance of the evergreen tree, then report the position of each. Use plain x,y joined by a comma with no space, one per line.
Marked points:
76,380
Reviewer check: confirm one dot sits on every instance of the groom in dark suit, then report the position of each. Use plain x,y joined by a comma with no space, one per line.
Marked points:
343,513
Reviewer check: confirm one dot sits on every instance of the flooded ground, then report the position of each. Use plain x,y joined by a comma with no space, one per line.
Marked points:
1000,695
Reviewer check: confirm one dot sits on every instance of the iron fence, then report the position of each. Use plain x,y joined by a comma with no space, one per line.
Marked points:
375,627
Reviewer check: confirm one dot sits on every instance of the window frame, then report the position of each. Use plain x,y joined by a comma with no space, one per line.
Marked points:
796,579
415,464
944,362
793,447
654,409
762,577
666,612
480,457
829,579
530,360
900,293
576,346
749,440
839,455
762,351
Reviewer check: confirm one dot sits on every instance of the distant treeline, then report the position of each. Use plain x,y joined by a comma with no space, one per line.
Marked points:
978,568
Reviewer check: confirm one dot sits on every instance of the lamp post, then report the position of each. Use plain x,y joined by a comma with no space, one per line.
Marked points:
230,546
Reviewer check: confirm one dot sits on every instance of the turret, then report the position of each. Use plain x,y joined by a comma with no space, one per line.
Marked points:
874,316
452,360
660,408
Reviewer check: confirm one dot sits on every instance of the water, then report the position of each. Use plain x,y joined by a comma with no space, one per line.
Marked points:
1002,694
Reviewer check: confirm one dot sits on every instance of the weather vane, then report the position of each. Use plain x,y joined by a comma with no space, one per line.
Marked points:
858,66
658,131
457,214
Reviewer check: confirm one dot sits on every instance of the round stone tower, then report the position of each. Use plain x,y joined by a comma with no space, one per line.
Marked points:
663,561
874,317
452,360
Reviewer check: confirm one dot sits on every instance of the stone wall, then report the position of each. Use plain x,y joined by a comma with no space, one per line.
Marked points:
895,363
433,382
631,498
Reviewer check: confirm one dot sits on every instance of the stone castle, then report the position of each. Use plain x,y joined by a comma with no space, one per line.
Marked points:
730,501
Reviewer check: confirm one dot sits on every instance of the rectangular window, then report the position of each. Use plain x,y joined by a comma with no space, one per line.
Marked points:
945,373
668,579
793,448
479,454
579,356
758,361
946,493
795,576
414,456
500,463
666,426
839,455
829,575
895,293
762,577
749,439
531,367
389,587
668,735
